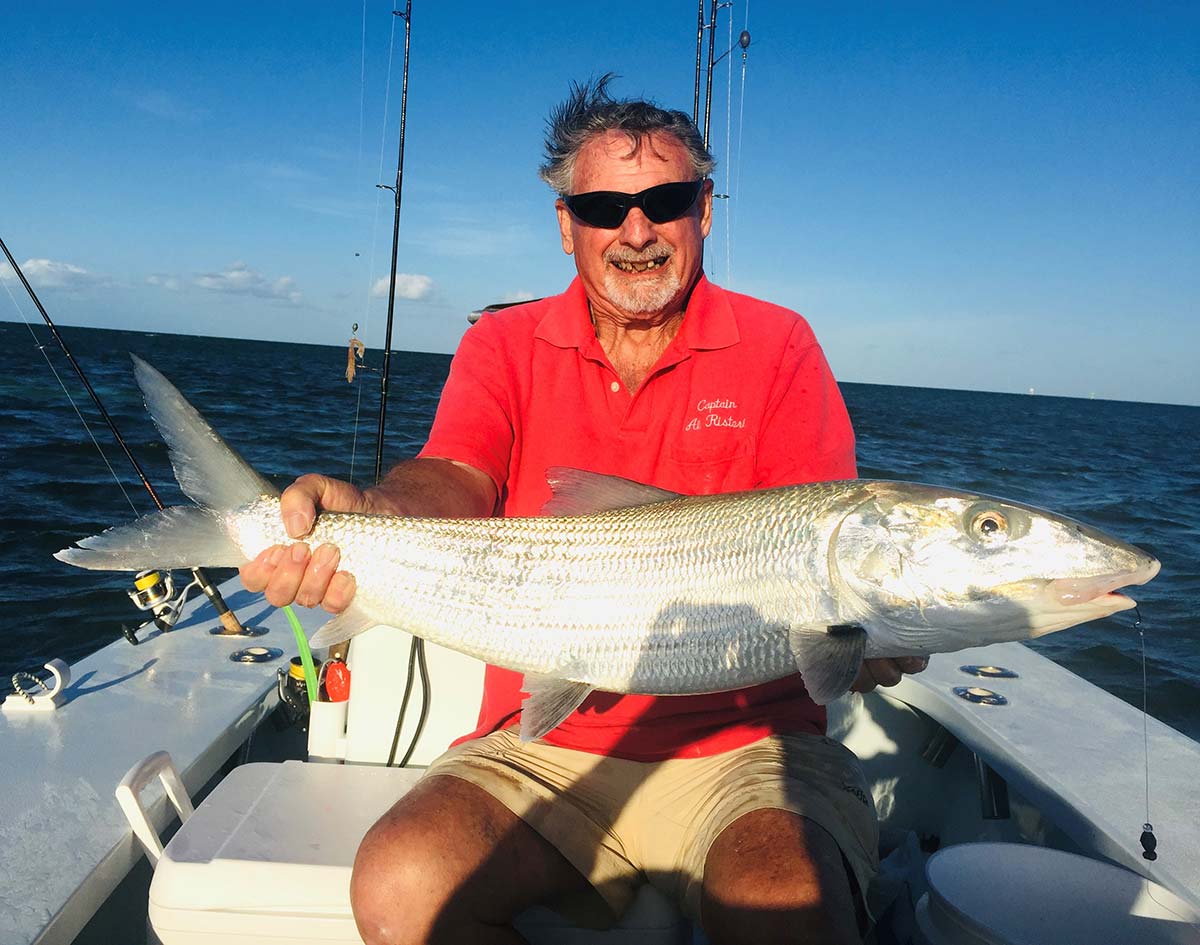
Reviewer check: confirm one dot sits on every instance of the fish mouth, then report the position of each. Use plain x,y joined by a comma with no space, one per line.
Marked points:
1100,591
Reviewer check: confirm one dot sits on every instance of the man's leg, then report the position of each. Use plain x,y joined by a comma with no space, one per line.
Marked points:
773,876
450,863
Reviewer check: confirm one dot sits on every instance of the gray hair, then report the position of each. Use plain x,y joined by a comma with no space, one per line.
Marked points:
589,110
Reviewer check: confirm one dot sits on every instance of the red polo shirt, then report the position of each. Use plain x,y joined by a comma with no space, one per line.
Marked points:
741,399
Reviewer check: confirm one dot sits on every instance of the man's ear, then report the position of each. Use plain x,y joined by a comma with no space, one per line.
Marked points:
564,226
706,203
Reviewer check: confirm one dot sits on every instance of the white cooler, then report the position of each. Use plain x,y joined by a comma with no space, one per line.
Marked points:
267,858
1016,894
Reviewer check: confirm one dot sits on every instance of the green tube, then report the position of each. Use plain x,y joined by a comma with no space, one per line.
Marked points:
310,672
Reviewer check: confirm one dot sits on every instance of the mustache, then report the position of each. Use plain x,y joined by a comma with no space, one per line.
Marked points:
656,250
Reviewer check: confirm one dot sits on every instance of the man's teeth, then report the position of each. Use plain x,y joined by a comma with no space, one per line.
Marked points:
644,265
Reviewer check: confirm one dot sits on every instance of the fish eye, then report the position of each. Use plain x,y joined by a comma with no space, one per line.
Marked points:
989,524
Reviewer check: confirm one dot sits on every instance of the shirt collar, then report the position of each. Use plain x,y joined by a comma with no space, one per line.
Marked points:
708,323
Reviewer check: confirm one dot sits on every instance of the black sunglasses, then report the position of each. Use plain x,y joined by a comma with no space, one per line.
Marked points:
607,209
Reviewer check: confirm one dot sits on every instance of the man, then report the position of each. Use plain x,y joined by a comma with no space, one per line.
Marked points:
733,803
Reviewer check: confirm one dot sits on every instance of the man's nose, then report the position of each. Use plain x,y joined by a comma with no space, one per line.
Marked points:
637,231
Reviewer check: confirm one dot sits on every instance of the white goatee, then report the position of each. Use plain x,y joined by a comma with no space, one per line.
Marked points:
646,294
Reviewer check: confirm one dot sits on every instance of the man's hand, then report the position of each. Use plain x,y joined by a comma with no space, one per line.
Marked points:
297,572
886,672
426,486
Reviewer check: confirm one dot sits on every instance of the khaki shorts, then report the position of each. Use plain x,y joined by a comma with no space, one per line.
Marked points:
622,823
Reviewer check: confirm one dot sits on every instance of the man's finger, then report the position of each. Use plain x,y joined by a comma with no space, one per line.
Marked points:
311,493
315,581
341,591
298,505
255,574
289,571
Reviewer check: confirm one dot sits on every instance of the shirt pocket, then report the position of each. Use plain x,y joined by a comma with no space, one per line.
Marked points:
727,466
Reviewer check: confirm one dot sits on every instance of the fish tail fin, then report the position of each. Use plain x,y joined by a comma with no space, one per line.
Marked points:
178,537
209,471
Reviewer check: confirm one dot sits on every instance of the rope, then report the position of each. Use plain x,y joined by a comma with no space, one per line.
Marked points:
32,681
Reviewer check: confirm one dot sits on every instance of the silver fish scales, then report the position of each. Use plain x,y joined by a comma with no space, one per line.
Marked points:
628,588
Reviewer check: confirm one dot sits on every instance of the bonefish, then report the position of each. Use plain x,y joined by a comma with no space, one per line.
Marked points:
628,588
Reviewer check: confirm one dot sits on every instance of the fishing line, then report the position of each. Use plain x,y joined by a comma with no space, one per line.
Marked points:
737,181
728,166
366,316
227,617
1148,840
362,90
74,406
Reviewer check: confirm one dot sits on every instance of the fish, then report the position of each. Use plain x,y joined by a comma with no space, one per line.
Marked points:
627,588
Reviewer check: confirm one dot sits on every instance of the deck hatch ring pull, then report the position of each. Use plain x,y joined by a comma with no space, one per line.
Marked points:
256,654
979,695
988,672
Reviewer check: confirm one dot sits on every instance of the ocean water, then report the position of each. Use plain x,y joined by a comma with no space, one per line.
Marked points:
1131,469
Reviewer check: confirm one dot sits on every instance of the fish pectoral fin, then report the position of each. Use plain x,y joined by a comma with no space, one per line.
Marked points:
349,623
550,701
828,657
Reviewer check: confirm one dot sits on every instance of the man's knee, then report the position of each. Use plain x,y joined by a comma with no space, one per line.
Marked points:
775,876
396,891
416,875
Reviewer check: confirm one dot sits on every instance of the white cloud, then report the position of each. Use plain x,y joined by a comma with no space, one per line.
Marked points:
521,295
163,282
51,274
240,279
408,286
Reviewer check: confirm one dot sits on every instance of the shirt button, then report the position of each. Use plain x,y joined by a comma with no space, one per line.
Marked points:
615,387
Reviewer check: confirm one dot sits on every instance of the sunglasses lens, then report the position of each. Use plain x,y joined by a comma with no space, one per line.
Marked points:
668,202
607,209
600,209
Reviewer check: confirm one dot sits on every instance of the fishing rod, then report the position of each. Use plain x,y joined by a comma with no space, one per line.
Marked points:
416,658
711,25
152,595
397,191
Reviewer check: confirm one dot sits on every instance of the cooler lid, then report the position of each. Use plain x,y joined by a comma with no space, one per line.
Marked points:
1020,894
276,838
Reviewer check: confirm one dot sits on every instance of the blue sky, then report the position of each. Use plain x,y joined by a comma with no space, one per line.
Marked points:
968,195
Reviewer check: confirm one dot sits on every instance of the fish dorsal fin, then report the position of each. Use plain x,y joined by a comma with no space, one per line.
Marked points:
550,701
578,492
209,470
828,657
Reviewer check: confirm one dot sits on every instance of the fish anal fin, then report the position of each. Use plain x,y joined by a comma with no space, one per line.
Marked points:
550,701
579,492
828,657
349,623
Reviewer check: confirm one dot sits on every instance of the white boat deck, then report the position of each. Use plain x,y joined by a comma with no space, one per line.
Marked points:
1067,747
1076,753
66,844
